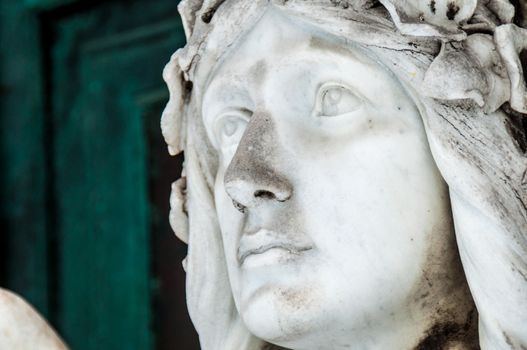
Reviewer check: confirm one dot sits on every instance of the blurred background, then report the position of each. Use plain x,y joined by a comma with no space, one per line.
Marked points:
85,176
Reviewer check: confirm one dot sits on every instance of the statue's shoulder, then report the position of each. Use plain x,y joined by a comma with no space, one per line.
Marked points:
21,327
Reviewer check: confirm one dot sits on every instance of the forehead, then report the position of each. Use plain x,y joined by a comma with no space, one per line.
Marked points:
276,41
274,36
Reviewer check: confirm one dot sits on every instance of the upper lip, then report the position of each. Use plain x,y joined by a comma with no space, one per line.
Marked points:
263,240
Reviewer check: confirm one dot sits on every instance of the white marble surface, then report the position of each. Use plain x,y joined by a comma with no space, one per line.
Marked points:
351,178
346,234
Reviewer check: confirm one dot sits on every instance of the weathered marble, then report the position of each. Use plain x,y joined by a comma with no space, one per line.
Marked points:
355,176
355,173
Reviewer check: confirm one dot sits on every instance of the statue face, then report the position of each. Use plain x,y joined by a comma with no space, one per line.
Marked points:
329,201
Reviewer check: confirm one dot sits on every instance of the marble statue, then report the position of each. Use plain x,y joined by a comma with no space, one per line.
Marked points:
355,176
355,173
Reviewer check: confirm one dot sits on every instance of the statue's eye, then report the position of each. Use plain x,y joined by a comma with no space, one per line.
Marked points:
229,128
334,100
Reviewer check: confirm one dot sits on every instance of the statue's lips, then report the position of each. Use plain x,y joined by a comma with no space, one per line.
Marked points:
264,241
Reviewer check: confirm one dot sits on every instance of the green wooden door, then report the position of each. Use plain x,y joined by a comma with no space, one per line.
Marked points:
106,93
86,176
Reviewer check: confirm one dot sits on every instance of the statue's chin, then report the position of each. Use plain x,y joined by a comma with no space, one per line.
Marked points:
285,317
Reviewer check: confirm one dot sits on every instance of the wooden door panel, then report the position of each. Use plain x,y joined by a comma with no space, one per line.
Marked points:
23,178
106,61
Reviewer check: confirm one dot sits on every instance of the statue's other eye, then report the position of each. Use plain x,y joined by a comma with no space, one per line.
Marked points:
229,128
334,100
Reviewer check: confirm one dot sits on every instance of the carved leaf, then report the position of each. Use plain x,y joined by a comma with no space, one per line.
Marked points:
511,41
435,18
469,70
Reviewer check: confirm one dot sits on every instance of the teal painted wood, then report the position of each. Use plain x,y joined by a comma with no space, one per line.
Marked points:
23,243
46,4
104,62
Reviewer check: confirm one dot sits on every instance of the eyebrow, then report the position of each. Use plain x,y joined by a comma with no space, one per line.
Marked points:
324,45
225,87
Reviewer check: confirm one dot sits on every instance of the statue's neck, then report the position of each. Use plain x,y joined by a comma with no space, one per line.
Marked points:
440,336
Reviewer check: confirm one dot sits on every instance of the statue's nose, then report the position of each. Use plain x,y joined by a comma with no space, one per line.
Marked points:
253,176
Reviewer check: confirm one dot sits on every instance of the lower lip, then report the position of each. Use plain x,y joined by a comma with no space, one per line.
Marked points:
273,256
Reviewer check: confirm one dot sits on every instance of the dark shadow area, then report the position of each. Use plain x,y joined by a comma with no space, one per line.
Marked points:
52,244
4,223
170,316
519,16
3,251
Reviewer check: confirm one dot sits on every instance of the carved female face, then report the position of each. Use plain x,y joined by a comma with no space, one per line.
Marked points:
330,205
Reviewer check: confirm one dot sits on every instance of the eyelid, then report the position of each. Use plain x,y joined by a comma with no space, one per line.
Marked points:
326,87
222,96
231,112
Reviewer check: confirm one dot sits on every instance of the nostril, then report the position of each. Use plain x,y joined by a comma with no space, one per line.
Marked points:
264,194
240,207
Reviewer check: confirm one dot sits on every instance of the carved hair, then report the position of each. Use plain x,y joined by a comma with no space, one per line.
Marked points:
460,60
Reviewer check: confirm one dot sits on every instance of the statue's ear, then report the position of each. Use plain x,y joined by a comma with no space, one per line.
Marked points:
188,9
173,121
21,327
